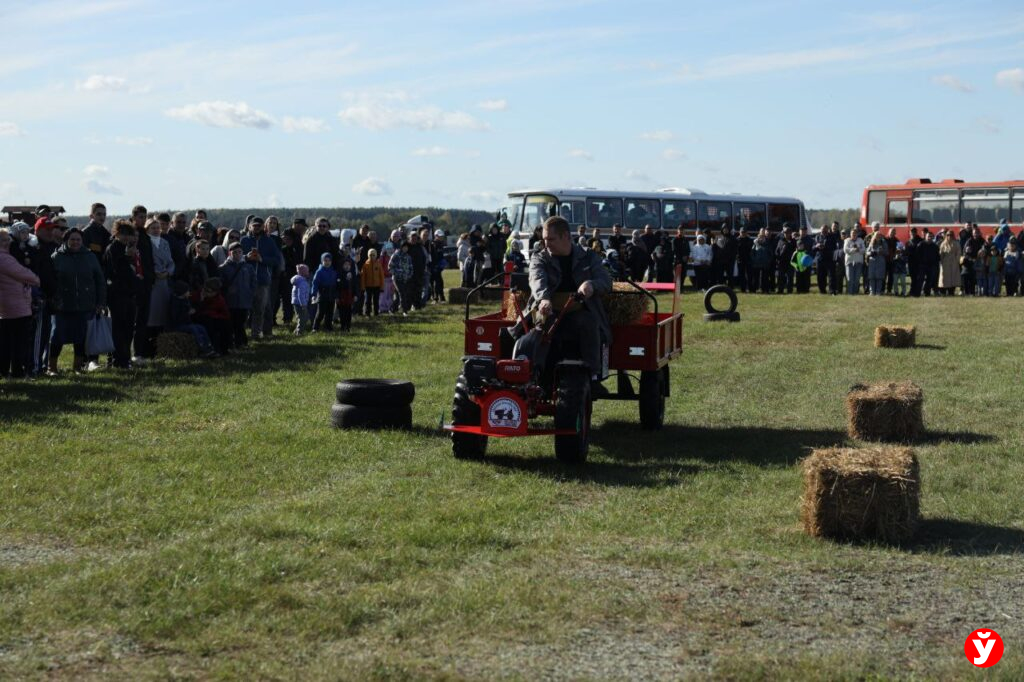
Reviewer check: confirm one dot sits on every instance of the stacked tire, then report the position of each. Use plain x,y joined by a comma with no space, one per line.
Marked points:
373,404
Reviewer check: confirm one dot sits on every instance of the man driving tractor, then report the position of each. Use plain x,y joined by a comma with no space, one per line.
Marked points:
557,271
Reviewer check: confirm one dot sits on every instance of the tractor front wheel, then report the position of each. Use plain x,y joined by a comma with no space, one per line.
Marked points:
573,411
466,413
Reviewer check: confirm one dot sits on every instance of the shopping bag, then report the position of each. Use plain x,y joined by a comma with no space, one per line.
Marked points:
99,339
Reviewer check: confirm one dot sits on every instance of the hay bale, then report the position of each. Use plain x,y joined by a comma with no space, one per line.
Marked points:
895,337
865,494
177,346
458,295
624,304
885,412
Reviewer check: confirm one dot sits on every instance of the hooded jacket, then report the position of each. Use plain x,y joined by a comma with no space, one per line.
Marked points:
81,285
238,282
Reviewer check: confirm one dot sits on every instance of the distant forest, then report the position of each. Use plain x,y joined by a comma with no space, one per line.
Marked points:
383,220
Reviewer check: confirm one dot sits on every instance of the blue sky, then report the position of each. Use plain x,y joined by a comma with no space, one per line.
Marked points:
454,103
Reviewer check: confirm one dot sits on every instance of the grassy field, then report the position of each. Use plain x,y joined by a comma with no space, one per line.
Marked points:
201,520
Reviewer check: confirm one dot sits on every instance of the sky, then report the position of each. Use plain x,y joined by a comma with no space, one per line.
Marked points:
455,103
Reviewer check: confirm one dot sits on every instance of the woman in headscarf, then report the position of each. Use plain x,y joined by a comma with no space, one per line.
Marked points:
80,293
163,268
949,264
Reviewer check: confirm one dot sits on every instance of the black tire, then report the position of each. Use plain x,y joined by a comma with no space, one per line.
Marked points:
722,317
573,411
466,413
720,289
375,392
652,399
371,417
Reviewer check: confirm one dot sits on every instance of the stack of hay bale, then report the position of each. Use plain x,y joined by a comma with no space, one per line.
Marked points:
870,493
177,346
895,337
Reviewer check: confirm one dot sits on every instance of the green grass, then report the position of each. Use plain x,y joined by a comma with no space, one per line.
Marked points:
201,520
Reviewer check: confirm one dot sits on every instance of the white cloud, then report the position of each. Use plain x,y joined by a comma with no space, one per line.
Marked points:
388,111
658,135
486,197
95,171
953,83
9,129
304,124
273,202
473,154
372,187
581,154
220,114
99,83
494,105
987,125
431,151
1011,78
673,155
133,141
638,175
100,187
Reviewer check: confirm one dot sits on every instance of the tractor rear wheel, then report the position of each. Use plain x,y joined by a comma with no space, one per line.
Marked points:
466,413
573,411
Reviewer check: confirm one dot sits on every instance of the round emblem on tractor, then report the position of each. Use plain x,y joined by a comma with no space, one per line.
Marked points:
504,413
479,331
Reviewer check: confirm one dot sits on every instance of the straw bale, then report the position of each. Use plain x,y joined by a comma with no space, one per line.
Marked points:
177,346
886,412
624,304
861,494
895,336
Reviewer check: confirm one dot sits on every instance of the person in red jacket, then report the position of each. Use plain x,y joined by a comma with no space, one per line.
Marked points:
211,311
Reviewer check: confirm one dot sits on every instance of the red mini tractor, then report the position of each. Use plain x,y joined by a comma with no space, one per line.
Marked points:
507,381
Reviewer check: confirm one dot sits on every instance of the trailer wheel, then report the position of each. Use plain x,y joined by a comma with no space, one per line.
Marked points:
573,411
652,399
466,413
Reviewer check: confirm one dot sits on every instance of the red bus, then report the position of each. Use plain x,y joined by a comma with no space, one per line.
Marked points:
921,203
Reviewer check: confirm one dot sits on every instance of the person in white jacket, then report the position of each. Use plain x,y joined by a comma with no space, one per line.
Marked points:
700,257
854,249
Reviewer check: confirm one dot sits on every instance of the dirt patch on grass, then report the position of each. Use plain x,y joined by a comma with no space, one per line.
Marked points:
895,617
35,553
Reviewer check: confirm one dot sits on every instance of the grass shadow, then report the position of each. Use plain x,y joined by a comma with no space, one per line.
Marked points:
646,475
967,437
929,346
46,400
965,538
625,441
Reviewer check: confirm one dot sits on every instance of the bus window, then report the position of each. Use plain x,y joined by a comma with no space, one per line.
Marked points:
1017,214
935,207
641,212
897,212
604,212
538,208
876,207
780,214
713,214
985,206
684,214
573,212
750,217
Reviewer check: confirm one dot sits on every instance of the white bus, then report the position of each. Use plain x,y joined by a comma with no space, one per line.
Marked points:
665,209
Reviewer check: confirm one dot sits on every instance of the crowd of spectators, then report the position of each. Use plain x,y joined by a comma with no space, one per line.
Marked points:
155,272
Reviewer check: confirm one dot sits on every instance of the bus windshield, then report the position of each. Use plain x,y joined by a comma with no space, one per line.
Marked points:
537,209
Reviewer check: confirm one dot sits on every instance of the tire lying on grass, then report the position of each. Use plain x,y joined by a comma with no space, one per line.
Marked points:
371,417
720,289
375,392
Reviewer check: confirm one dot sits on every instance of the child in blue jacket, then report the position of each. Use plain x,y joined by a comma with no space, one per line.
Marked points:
325,288
300,297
